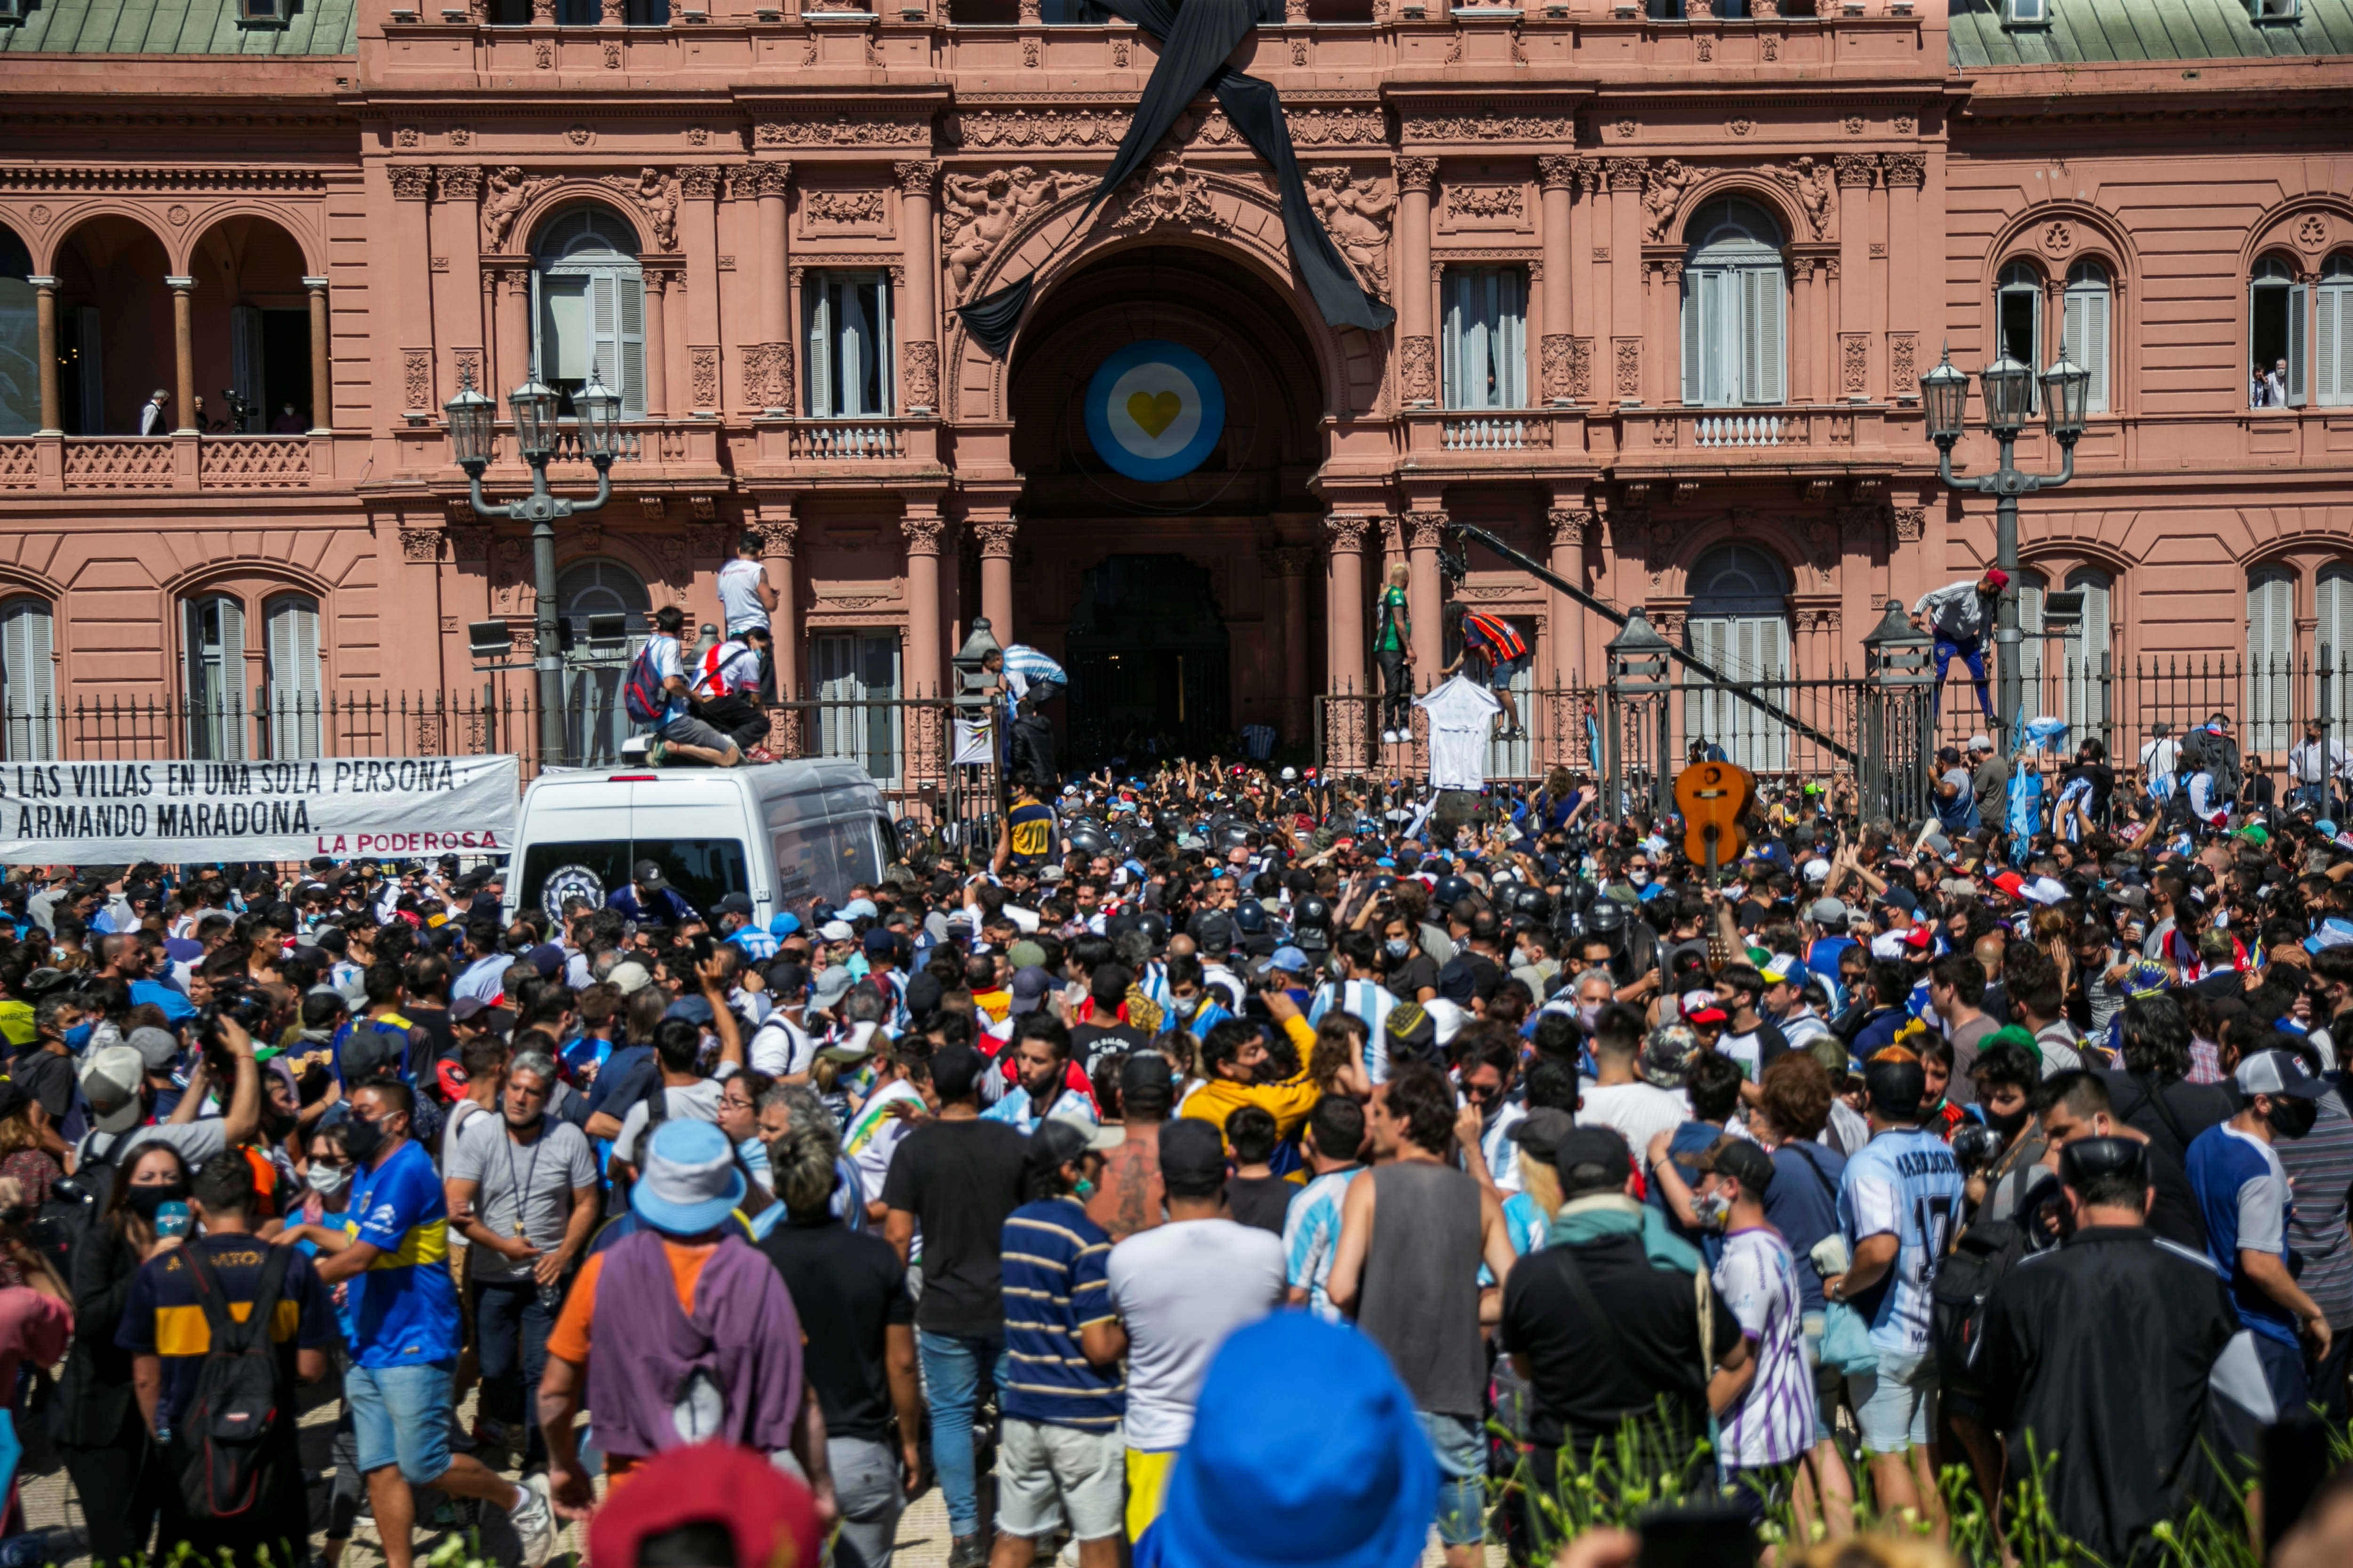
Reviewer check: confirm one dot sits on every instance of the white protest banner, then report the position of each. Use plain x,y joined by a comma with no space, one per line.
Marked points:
191,812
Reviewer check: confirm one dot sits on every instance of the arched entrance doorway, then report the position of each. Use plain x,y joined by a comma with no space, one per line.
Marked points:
594,722
1147,576
1147,655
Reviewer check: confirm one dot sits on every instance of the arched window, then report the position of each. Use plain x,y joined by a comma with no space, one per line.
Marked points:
20,342
29,680
2275,307
1739,625
2084,668
2089,308
595,723
590,310
296,689
1735,306
2033,586
213,628
2017,320
2332,332
2271,643
2335,698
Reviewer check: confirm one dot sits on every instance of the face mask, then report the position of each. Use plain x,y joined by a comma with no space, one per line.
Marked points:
1638,875
2007,1126
2294,1118
327,1181
1397,947
1714,1211
145,1201
78,1036
1590,1013
363,1138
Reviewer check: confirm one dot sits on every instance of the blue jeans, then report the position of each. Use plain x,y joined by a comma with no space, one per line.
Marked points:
1970,653
955,1367
400,1415
1458,1442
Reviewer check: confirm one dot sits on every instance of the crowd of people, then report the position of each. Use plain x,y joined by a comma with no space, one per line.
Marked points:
1222,1166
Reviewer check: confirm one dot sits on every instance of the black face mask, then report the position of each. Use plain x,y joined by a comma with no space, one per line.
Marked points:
2294,1118
145,1201
2007,1126
363,1138
277,1124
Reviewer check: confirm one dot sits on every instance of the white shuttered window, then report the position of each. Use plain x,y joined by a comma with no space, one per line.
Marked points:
2336,642
1739,625
1734,309
29,690
295,684
1486,337
2090,304
591,308
214,631
857,680
2271,639
2332,332
848,344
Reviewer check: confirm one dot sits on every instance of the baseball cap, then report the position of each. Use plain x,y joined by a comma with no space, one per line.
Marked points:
627,978
1742,1161
1592,1159
1030,988
830,986
1667,1054
882,941
2278,1072
1826,912
1539,1132
1192,1153
836,931
733,904
1981,743
111,1081
465,1010
1896,1087
1290,959
767,1514
647,874
1025,954
156,1047
2089,1159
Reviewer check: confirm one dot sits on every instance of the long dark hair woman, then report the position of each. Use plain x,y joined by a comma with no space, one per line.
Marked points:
94,1419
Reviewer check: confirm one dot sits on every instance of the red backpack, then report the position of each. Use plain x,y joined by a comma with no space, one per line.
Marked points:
642,698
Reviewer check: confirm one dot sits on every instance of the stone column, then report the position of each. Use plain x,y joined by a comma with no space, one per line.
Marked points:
412,262
1417,349
1905,173
45,326
1424,533
514,329
923,528
771,381
1558,174
919,325
996,536
778,530
1856,172
1348,723
184,353
1570,526
323,385
1624,376
699,237
1290,565
657,346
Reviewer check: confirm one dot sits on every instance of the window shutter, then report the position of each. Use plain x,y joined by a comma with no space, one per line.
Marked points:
884,396
1763,300
2097,304
1449,341
1694,292
604,328
234,703
2029,647
2329,372
2295,345
244,362
2271,621
26,642
820,362
632,385
2335,636
2087,708
1772,744
1511,341
294,677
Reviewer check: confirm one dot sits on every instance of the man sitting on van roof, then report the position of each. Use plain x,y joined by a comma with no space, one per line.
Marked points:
678,733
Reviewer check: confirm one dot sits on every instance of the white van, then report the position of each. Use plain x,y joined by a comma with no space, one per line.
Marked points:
787,834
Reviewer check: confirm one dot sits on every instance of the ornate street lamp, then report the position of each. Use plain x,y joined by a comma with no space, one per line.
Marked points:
473,436
2009,390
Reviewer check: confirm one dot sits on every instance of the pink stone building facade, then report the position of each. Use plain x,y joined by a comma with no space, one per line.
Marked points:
1666,275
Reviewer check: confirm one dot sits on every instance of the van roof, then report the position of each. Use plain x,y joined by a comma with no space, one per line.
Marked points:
839,785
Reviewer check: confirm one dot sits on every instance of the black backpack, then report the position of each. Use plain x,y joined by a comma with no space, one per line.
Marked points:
1980,1257
227,1447
2217,756
64,1218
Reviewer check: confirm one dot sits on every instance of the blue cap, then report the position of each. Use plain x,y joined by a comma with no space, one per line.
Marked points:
784,925
1270,1480
688,1181
1290,959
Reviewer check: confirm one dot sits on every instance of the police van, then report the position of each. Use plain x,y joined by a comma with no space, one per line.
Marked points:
787,835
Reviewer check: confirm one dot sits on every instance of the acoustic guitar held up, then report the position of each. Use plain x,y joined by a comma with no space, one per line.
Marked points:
1715,799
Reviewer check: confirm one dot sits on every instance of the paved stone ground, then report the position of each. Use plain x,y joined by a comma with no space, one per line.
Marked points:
51,1504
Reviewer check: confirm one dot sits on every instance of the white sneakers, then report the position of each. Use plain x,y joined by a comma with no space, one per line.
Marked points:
1389,737
535,1524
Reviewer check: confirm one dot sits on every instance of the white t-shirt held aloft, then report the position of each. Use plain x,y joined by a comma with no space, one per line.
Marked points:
1460,713
1180,1290
739,594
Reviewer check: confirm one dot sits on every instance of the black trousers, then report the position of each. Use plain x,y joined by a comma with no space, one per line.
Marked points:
121,1487
1397,684
511,1330
737,719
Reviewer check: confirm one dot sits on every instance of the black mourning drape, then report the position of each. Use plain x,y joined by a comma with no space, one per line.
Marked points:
1195,41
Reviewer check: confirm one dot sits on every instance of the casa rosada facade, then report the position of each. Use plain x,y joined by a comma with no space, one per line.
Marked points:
1665,275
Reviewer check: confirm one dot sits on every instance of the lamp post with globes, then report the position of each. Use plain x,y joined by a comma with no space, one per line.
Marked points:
473,431
2009,390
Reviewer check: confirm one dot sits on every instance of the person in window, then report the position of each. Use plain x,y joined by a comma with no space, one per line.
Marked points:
1494,653
649,899
1956,615
678,733
287,422
2275,387
155,413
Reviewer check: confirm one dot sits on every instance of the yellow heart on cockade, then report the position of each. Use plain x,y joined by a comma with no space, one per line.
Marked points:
1154,413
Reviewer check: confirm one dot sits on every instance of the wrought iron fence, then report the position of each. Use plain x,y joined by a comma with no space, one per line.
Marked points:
1365,732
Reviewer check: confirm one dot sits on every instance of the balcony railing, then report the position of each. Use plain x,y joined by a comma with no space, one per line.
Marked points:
851,440
1489,433
119,463
1737,430
178,462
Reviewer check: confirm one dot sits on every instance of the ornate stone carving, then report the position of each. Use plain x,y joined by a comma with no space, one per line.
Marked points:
458,183
978,212
1857,169
1033,53
1347,533
767,177
842,131
417,377
1330,125
470,536
658,191
407,136
510,576
1626,173
919,371
923,530
1630,366
700,181
1704,47
1486,201
917,178
2058,238
579,135
1291,560
1299,54
1556,130
1417,370
468,366
1905,168
2311,235
542,53
1741,125
1557,170
1580,369
420,544
703,376
698,135
674,566
1423,530
1558,354
767,374
510,192
1854,364
1166,191
1662,192
777,537
1809,185
612,48
1356,214
995,539
1571,525
1119,53
702,509
843,207
1772,49
1414,173
1854,124
654,507
410,182
1903,350
1911,524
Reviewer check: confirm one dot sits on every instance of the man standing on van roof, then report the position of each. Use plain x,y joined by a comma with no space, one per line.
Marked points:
678,733
649,900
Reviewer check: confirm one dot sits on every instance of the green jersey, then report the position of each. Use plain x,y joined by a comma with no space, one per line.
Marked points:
1396,623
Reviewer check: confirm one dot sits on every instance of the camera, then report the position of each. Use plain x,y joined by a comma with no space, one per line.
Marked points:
246,1005
1975,1146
